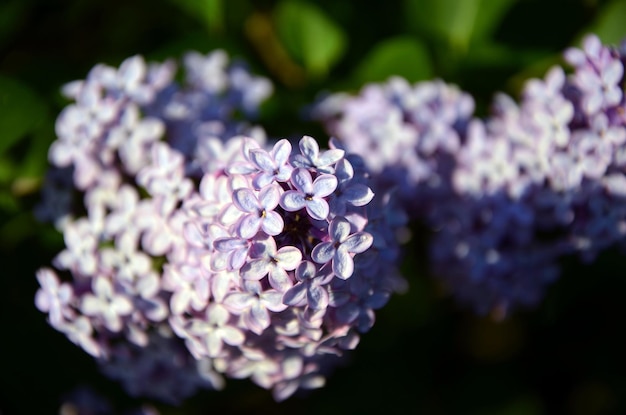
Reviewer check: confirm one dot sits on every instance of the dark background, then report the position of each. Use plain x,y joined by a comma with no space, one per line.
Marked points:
425,354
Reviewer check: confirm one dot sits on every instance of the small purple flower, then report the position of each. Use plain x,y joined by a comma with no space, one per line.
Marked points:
309,290
53,297
312,159
309,194
273,165
273,262
254,304
107,304
259,211
340,247
215,330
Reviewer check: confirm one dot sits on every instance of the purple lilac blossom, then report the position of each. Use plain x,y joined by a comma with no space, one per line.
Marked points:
191,256
509,195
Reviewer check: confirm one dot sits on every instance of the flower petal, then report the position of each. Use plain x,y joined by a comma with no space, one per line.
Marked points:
330,157
343,264
273,223
255,269
279,279
262,159
317,297
317,208
281,151
358,194
301,179
245,200
296,295
288,257
324,185
292,200
339,229
309,147
323,252
269,197
249,226
358,242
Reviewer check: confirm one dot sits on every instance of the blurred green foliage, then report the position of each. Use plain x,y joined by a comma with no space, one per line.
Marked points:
425,355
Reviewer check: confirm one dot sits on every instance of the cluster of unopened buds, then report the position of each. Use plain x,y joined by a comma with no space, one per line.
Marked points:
196,250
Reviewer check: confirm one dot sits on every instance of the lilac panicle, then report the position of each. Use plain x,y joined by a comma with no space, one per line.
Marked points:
203,253
509,195
135,143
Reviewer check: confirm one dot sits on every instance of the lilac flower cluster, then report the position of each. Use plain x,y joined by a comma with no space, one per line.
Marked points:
196,251
506,196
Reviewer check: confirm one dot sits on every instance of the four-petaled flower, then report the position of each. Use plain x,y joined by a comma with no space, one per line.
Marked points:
309,290
259,211
272,261
253,304
343,244
309,194
312,159
273,165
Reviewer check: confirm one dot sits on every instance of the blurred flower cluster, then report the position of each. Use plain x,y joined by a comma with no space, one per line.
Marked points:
193,249
509,195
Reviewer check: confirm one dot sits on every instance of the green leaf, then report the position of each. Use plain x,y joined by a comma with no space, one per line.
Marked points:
22,111
610,25
402,56
210,12
309,35
456,22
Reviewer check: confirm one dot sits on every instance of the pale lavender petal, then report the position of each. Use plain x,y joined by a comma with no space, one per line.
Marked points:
343,264
232,336
292,200
249,226
358,194
358,242
301,179
238,258
307,270
281,151
257,319
296,296
245,200
324,185
323,252
330,157
279,279
213,344
180,301
339,229
309,147
273,300
317,297
262,179
238,302
255,269
269,197
317,208
262,159
229,244
273,223
288,257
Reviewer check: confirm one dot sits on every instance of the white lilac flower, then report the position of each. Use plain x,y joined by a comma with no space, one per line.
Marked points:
127,265
193,256
505,196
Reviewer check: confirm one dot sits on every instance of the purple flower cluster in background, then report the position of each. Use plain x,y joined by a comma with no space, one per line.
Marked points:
509,195
193,250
